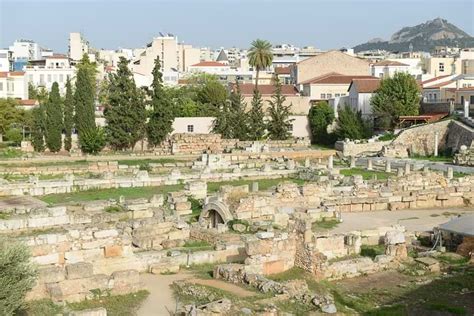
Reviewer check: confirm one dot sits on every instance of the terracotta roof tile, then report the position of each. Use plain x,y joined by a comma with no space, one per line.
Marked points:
337,79
29,102
439,85
208,64
434,79
283,70
3,74
389,63
17,73
267,89
57,56
365,85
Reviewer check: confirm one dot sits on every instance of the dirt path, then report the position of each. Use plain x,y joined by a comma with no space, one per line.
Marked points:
160,301
225,286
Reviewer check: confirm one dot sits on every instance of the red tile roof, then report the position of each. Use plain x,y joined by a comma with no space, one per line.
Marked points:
17,73
466,89
29,102
57,56
3,74
283,70
208,64
336,79
267,89
365,85
439,85
389,63
434,79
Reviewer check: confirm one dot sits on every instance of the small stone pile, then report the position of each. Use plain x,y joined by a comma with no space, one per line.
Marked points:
465,156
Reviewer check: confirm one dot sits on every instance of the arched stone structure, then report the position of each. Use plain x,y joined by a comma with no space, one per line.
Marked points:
214,213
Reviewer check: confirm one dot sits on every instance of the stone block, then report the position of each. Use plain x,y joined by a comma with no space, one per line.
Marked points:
54,258
112,251
164,269
394,237
256,247
106,233
126,281
100,311
182,206
77,289
83,255
429,264
79,270
51,274
138,214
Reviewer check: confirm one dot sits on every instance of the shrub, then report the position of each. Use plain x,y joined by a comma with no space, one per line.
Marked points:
387,136
320,117
17,276
13,135
145,166
350,124
92,141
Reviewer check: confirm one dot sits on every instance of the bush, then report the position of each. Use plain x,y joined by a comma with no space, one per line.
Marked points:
350,124
17,276
320,117
92,141
144,167
387,136
14,136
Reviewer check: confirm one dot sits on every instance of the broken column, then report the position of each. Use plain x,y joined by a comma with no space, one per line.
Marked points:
466,108
388,166
450,173
254,186
436,140
395,245
369,164
307,163
399,172
330,162
353,162
407,168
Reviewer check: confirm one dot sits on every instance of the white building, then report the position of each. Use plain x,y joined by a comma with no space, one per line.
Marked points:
360,94
78,46
388,68
210,67
44,73
24,50
13,85
5,60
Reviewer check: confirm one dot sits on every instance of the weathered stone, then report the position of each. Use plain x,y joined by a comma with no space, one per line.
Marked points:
394,237
113,251
100,311
79,270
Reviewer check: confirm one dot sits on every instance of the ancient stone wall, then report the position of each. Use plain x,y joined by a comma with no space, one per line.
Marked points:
353,149
459,135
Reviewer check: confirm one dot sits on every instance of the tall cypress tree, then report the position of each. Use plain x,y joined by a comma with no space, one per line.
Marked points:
84,96
279,125
238,115
38,128
54,120
256,121
125,114
68,115
161,118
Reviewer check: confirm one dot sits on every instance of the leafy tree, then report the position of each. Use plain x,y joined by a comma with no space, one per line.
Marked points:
32,91
68,116
350,124
239,118
103,91
38,128
125,114
256,123
161,119
14,136
10,114
54,120
84,96
43,95
223,122
93,140
17,276
320,117
279,125
260,56
212,93
397,96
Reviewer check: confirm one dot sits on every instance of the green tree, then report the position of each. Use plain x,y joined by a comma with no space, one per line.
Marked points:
10,114
32,91
84,96
161,118
14,136
397,96
256,122
68,116
212,93
350,124
54,120
17,276
125,114
260,56
279,124
239,117
93,140
223,124
38,128
43,95
320,116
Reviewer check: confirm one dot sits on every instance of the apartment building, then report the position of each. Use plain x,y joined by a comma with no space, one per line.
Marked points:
13,85
360,94
6,60
78,46
388,68
25,50
332,61
56,68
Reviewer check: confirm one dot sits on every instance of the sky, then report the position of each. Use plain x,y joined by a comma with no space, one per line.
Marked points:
327,24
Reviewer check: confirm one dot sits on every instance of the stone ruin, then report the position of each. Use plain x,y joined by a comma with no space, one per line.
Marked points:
465,156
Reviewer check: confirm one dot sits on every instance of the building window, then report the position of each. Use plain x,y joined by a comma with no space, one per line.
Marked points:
329,95
337,95
49,78
290,128
30,78
1,86
323,95
61,78
55,78
441,67
190,128
41,79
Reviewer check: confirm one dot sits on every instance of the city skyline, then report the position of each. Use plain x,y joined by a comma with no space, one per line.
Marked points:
210,23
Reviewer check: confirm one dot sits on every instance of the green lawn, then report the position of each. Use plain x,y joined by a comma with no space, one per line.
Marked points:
366,174
105,194
324,225
263,184
433,158
49,163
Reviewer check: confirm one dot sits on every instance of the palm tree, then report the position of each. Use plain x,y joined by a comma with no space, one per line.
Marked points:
260,56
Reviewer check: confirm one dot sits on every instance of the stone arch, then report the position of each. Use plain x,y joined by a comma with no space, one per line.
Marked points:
214,213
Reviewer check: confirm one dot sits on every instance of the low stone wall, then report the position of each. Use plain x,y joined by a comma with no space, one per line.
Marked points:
459,135
353,149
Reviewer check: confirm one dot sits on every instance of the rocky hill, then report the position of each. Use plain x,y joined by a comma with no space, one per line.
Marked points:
424,37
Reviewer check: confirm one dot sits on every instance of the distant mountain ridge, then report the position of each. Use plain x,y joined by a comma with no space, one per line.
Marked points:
424,37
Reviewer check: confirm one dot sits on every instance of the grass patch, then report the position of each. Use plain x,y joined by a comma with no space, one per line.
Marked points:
263,184
372,251
387,136
457,174
105,194
9,153
48,164
366,174
4,216
452,260
433,158
114,209
324,225
41,308
139,162
121,305
203,271
41,231
455,310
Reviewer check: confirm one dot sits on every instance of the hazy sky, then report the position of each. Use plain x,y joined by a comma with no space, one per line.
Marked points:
132,23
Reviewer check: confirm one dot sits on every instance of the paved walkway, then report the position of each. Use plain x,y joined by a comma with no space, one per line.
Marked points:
413,220
417,164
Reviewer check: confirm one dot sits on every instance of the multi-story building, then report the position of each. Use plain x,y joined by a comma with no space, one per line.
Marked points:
6,60
188,55
13,85
56,68
78,46
24,50
387,68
